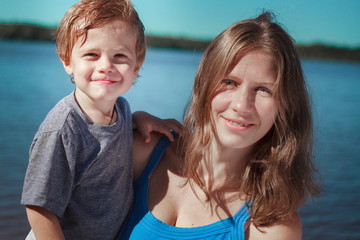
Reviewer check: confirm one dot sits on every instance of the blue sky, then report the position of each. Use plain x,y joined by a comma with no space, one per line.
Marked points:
332,22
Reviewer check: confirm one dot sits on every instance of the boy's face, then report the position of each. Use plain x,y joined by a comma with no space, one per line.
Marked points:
104,67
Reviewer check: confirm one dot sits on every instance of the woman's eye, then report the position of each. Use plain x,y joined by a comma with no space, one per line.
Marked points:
229,82
264,90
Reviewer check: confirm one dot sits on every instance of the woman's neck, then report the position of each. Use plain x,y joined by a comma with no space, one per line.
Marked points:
227,166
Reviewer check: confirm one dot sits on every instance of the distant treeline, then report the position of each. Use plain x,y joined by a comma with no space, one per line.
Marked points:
32,32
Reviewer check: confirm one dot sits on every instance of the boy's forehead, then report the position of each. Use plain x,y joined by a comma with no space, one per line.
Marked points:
122,32
82,29
82,26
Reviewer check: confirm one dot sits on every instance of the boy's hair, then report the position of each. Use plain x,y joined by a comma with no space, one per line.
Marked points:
89,14
279,173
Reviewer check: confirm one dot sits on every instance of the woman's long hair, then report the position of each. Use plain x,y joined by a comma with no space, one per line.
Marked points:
279,174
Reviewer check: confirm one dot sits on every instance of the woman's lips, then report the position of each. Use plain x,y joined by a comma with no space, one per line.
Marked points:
237,124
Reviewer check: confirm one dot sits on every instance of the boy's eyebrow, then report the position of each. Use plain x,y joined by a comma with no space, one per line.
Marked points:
90,48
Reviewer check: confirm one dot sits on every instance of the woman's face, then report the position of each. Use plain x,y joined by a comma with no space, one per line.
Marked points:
244,108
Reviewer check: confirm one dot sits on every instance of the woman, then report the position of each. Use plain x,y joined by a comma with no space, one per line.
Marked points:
243,164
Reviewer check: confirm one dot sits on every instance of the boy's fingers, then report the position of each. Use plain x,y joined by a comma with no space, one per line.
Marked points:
147,139
145,133
174,125
169,135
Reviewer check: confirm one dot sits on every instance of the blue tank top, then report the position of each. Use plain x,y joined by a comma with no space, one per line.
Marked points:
143,225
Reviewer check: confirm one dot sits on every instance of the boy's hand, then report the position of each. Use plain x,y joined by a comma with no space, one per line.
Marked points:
146,123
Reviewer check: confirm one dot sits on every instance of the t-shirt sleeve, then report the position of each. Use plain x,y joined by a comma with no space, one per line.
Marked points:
49,176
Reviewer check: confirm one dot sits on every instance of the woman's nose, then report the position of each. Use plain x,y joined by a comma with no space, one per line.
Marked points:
242,101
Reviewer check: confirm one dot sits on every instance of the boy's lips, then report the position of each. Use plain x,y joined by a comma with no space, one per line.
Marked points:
104,81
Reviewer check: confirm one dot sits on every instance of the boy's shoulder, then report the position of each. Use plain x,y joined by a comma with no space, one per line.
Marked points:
123,104
66,116
64,112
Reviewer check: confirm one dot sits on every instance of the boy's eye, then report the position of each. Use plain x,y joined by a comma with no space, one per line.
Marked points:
91,55
120,55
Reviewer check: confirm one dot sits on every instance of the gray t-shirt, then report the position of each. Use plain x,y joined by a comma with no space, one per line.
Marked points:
81,171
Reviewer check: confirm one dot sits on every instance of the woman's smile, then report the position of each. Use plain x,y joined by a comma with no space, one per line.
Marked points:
237,124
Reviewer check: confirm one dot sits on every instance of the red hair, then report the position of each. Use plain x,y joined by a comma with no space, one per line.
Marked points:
88,14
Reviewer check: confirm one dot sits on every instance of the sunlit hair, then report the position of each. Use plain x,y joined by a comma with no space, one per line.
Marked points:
89,14
279,174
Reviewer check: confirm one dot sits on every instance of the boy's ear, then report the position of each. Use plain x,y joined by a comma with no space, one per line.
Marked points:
137,69
67,66
136,72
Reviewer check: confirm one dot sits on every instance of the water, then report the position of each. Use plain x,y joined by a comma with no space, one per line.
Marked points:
32,81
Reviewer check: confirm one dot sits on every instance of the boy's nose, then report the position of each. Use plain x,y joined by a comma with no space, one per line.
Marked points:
105,65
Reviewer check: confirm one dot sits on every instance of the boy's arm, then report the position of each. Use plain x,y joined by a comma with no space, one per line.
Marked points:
146,123
44,224
142,151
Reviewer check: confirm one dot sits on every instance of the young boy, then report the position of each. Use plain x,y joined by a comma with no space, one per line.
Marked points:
78,183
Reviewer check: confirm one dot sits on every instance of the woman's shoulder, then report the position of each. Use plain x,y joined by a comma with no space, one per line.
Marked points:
289,228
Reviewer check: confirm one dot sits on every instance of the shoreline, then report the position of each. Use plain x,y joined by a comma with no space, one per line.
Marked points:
314,51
